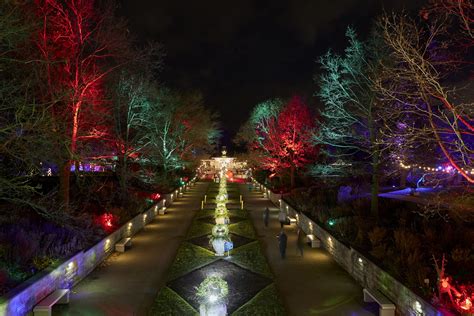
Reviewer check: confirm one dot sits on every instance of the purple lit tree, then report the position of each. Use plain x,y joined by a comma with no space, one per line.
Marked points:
419,82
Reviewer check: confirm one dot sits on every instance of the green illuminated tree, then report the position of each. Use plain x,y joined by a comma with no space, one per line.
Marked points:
129,99
349,121
255,131
23,121
176,129
257,128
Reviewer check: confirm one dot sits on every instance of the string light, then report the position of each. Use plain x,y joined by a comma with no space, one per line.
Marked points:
447,169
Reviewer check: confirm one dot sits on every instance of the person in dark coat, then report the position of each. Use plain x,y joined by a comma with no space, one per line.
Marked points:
282,241
266,217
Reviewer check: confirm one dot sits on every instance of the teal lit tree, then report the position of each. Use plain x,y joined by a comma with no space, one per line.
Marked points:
130,99
176,128
256,130
349,122
262,118
278,136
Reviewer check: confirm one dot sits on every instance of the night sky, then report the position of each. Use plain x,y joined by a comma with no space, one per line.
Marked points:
238,53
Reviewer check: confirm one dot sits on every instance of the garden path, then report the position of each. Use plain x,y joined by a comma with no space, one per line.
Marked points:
127,284
310,285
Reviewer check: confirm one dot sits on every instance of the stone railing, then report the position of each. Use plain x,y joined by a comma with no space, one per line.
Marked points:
21,300
267,193
365,272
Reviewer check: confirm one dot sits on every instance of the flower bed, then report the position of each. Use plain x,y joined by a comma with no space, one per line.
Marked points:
251,288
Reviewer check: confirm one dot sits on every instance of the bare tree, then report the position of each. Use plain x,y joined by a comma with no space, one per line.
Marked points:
418,82
350,122
80,43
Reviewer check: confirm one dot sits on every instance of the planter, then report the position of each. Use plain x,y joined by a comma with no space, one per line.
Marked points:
213,310
218,245
222,220
212,293
221,197
221,213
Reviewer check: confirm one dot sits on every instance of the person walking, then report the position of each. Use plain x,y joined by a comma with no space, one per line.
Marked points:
282,218
266,217
282,241
300,241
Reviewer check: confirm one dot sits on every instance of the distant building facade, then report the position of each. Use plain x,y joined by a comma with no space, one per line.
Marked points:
215,165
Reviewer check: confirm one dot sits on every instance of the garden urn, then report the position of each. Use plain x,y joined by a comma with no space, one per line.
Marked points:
218,245
208,309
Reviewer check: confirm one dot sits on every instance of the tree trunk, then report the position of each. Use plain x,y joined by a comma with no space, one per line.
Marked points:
122,175
374,201
64,184
292,176
403,178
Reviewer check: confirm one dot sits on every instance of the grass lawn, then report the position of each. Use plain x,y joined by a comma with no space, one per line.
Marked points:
205,213
265,303
169,303
250,257
243,228
199,228
188,258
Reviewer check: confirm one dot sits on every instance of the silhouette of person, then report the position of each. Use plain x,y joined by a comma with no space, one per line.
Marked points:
300,241
282,241
266,217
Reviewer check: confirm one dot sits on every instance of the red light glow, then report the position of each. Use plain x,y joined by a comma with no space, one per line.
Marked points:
155,196
107,221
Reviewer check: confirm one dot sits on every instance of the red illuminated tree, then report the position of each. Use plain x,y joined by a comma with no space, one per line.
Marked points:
80,44
289,143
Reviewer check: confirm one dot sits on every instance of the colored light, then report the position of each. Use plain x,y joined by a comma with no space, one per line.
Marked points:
466,305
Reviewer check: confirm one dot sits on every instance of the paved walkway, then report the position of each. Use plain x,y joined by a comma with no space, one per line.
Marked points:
126,284
310,285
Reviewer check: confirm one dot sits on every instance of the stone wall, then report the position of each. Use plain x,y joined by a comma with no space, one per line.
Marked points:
364,271
21,300
267,193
